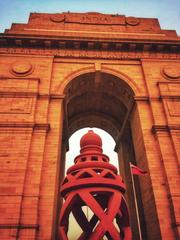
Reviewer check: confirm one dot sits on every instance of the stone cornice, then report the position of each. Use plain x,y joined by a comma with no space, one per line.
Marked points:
42,126
118,48
107,36
141,98
175,97
31,94
91,54
25,126
164,128
19,226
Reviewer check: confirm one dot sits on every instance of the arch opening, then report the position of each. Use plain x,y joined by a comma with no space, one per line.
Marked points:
97,100
104,101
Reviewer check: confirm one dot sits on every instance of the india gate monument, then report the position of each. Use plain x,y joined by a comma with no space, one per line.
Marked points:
61,72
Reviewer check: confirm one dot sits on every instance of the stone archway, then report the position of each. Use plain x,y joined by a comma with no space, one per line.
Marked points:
97,99
43,96
103,100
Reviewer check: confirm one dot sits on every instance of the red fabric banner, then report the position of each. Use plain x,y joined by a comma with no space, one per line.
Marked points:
136,170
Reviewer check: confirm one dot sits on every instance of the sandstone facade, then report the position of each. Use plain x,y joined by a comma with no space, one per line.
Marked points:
62,72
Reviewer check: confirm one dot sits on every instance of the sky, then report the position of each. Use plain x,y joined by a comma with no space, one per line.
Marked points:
108,145
167,11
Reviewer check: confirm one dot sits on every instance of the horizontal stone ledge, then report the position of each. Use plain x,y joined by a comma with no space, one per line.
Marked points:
19,195
100,44
169,97
177,195
19,226
25,126
87,54
42,126
164,128
57,96
19,78
141,98
31,94
18,94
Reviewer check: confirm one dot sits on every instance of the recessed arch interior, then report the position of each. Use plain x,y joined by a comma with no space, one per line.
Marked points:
101,100
97,99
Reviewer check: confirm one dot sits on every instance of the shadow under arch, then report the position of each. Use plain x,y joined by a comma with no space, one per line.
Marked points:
124,77
97,99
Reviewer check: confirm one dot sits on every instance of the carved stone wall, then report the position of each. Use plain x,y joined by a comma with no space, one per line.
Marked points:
62,72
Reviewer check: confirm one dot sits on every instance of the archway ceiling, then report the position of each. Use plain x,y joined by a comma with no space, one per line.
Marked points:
97,100
100,82
95,120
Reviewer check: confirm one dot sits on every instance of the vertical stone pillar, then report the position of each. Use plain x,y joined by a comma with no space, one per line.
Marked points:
154,190
175,135
29,216
15,139
167,147
50,172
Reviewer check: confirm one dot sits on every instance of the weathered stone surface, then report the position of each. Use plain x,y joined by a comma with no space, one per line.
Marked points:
61,72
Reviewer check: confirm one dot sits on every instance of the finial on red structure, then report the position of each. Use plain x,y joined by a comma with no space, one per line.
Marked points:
94,182
91,142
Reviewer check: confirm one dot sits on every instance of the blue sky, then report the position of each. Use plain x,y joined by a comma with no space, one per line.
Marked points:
167,11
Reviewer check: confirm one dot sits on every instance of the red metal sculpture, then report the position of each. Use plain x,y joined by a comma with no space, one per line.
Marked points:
93,182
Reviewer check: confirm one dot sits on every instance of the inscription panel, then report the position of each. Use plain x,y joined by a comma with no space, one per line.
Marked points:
14,85
17,109
95,19
16,105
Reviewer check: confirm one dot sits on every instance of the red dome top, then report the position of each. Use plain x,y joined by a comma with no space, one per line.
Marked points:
90,138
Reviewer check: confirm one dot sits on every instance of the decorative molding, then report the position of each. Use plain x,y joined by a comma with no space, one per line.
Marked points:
133,21
174,97
159,128
16,125
17,78
21,68
57,96
141,98
164,128
19,226
18,94
42,126
108,48
66,53
57,18
20,125
171,72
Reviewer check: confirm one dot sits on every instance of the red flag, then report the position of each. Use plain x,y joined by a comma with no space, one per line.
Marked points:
136,170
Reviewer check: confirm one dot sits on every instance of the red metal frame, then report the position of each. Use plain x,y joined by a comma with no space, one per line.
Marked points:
94,182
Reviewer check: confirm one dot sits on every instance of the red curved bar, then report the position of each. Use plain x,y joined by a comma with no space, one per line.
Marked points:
94,183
